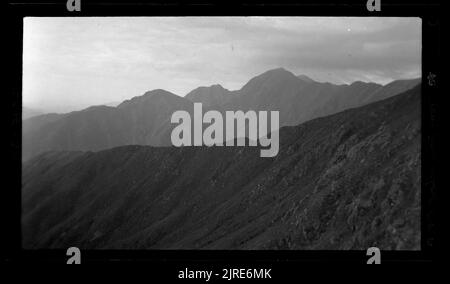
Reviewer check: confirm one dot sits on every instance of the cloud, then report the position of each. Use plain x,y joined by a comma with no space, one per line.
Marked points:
72,63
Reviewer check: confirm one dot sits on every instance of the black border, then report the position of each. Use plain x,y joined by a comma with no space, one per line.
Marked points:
429,12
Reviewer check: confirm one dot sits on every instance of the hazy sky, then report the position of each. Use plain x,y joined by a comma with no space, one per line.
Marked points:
71,63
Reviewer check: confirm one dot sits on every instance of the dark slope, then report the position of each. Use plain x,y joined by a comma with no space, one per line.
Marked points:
346,181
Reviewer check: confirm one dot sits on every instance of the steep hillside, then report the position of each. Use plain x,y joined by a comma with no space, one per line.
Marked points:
346,181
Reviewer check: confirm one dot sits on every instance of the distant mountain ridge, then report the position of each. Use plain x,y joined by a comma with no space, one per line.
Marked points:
29,112
145,120
135,121
347,181
214,95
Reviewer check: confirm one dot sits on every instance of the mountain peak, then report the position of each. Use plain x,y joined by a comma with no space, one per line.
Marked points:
275,78
212,95
277,71
364,84
273,74
157,92
153,94
217,86
358,82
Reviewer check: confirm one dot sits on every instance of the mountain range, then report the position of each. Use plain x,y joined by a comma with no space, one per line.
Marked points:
30,112
145,120
348,180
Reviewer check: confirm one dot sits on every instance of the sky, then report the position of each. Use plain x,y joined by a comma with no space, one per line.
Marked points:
70,63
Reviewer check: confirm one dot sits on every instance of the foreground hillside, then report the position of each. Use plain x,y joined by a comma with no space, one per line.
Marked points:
346,181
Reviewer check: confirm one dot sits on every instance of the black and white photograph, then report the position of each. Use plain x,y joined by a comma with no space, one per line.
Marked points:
222,133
